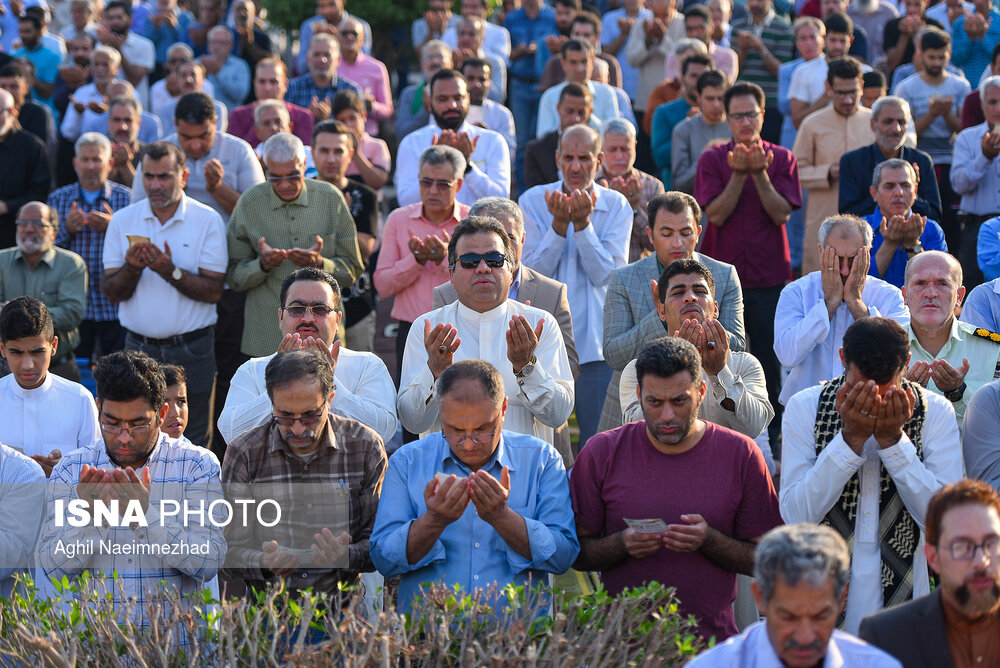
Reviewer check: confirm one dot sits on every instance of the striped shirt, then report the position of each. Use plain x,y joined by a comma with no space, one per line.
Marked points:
301,90
179,472
776,33
88,243
319,210
336,487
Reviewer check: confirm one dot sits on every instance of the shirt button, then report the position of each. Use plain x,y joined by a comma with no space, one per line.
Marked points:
477,544
305,575
474,577
306,467
309,505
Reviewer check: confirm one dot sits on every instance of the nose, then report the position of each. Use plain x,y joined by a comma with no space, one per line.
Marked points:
125,436
482,267
804,633
845,266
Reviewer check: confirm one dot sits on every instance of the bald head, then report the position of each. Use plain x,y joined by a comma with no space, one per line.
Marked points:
938,259
583,133
7,113
579,157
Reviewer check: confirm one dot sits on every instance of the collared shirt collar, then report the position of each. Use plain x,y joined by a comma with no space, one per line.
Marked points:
103,194
956,334
302,199
418,214
47,257
179,215
515,285
33,393
276,443
499,459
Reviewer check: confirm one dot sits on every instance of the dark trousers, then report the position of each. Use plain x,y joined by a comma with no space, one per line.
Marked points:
99,338
972,275
228,357
401,334
949,212
198,359
771,130
643,147
759,307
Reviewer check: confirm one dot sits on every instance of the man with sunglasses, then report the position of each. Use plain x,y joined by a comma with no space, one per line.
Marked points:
522,341
332,467
473,505
958,623
308,318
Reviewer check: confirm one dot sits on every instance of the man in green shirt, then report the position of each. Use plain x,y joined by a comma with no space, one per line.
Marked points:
278,226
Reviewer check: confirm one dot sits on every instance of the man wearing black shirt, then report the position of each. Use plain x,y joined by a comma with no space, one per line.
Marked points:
333,147
24,170
32,116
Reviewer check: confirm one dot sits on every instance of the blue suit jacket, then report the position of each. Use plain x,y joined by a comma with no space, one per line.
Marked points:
857,166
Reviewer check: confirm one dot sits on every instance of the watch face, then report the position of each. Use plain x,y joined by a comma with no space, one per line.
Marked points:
177,274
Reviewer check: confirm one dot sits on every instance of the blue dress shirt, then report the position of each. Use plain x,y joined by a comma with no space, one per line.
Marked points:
988,248
470,552
524,30
982,306
931,239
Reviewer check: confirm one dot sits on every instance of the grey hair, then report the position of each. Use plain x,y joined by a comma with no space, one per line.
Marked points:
892,163
846,220
328,38
690,43
953,264
264,105
989,81
618,126
49,213
893,100
502,209
93,139
112,54
221,29
804,552
181,46
299,365
284,147
439,155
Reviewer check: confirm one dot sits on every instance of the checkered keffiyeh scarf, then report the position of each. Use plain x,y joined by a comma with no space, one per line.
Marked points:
898,531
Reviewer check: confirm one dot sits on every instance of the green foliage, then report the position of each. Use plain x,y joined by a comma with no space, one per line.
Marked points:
511,626
383,15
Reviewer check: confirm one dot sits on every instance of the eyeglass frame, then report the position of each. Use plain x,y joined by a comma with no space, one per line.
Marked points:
286,178
474,436
311,308
307,420
36,223
137,430
745,116
436,184
480,258
993,554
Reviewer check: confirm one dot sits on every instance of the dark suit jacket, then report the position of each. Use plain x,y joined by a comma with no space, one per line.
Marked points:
856,168
912,632
548,295
540,160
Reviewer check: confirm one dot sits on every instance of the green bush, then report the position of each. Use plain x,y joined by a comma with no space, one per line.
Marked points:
638,627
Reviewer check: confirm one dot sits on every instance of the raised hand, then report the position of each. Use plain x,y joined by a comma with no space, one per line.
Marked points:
686,537
641,545
214,172
75,219
581,205
522,341
739,159
833,286
855,284
440,342
416,245
98,220
48,463
329,550
714,343
918,372
277,561
436,247
159,261
489,495
558,204
858,406
446,501
895,409
946,377
308,257
270,257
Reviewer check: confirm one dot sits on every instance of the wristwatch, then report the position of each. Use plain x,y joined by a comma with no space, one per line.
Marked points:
177,274
917,248
527,368
956,394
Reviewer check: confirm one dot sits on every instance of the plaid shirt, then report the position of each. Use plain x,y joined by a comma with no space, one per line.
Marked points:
649,187
88,243
179,472
347,468
301,90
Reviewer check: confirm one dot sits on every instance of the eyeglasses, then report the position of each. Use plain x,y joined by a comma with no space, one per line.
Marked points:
309,420
964,549
479,438
290,178
138,430
439,184
494,260
745,116
318,310
36,224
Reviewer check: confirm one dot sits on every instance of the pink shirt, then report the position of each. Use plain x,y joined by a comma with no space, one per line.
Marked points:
725,59
399,274
377,152
372,77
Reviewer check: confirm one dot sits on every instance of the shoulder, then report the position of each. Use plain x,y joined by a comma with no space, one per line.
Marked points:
72,389
973,133
63,192
717,267
975,334
359,358
605,445
857,652
192,455
730,442
357,433
901,619
805,401
16,467
70,257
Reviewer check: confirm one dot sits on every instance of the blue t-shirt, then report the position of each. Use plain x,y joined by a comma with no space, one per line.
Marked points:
931,239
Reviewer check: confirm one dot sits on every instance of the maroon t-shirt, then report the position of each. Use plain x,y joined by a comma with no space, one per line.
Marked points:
723,478
749,240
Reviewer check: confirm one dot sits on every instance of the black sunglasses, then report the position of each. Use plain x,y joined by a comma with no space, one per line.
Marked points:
494,259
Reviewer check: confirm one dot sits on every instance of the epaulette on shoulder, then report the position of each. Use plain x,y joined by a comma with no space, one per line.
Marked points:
987,334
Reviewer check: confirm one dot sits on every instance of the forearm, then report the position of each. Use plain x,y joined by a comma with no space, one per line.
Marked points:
721,208
123,173
225,196
776,206
134,73
374,177
120,284
954,120
728,553
511,528
801,109
199,288
883,257
894,55
600,554
44,89
424,532
921,124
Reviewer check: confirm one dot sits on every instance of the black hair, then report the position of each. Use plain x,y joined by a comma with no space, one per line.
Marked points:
478,225
873,79
310,274
673,201
442,75
843,68
475,62
127,375
305,364
711,79
14,69
479,370
334,127
839,23
24,317
590,19
696,59
573,89
878,347
346,99
576,45
700,11
173,374
934,38
119,4
744,89
32,18
683,267
666,357
574,4
162,149
194,109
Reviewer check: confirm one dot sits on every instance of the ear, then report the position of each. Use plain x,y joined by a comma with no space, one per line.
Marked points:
758,597
503,408
649,233
842,358
54,344
3,350
163,411
872,191
843,598
661,311
961,295
931,552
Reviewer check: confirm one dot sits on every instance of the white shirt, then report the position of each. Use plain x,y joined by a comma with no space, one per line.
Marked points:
809,80
240,166
197,239
811,486
973,176
57,415
583,261
22,502
364,392
536,404
489,175
496,40
165,112
499,119
808,342
159,98
753,649
741,380
140,52
605,106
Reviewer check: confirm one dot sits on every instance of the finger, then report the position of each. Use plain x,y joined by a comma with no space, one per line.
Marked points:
538,330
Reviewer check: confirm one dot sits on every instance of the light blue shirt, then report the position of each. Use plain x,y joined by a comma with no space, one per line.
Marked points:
470,552
609,33
988,248
232,82
974,176
583,261
22,500
788,130
982,306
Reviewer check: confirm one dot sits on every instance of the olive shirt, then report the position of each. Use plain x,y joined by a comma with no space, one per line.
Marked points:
59,280
319,209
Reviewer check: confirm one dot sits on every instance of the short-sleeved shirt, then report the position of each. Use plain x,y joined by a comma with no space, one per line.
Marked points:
749,240
723,478
936,139
197,239
892,35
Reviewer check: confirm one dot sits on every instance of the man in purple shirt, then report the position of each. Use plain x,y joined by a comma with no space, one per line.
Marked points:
748,187
270,82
